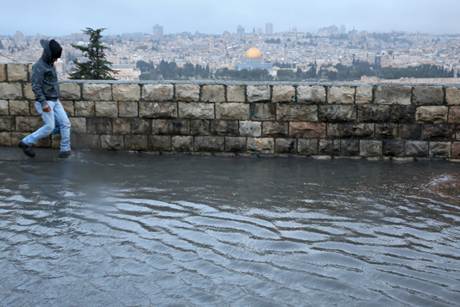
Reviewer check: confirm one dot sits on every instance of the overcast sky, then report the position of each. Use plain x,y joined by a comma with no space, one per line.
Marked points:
57,17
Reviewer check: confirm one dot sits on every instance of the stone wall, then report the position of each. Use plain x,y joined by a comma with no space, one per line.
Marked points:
319,120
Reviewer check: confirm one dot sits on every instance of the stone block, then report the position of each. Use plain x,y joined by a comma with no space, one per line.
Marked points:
250,128
84,108
329,147
99,125
341,95
454,115
364,94
158,92
201,127
393,148
258,93
386,131
194,110
165,110
126,92
349,147
275,129
121,125
140,126
350,130
370,148
410,131
428,95
187,92
112,142
307,147
128,108
337,113
209,143
19,107
182,143
160,143
453,95
263,111
66,104
236,93
455,150
170,126
431,114
28,92
311,94
231,110
402,113
235,144
370,113
17,72
5,137
97,91
85,141
440,150
70,91
78,124
438,132
418,149
4,107
393,94
307,130
297,112
213,93
107,109
225,127
10,90
261,145
285,146
283,93
3,72
136,142
28,123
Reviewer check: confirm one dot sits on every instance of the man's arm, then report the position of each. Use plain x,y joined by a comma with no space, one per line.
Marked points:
38,75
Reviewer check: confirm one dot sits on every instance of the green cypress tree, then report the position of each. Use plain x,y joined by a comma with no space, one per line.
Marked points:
97,67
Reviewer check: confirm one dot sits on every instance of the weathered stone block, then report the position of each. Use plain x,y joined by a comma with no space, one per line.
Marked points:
126,92
438,132
236,93
182,143
28,92
286,146
17,72
121,126
187,92
329,147
235,144
364,94
283,93
201,127
307,130
370,113
19,107
311,94
70,91
128,108
4,107
250,128
107,109
170,126
393,148
428,95
213,93
97,91
85,141
209,143
410,131
263,111
261,145
84,108
275,129
432,114
386,131
308,147
297,112
258,93
341,94
149,109
417,149
140,126
232,110
453,95
225,127
66,104
455,150
112,142
160,143
99,125
136,142
349,130
5,137
349,147
10,90
454,115
3,72
370,148
440,150
158,92
402,113
336,113
393,94
78,124
28,123
196,110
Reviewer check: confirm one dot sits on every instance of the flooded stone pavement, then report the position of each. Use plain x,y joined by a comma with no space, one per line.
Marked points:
120,229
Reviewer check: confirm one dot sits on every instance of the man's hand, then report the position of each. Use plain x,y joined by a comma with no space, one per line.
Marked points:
46,108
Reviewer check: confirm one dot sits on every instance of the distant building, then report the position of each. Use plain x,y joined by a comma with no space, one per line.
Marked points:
253,59
269,28
158,31
240,30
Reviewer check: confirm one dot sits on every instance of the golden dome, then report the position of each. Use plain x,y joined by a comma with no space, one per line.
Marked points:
253,53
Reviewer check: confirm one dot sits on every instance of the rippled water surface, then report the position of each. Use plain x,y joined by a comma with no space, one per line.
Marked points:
134,230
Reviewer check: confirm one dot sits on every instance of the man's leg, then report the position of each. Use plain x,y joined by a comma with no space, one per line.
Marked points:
64,126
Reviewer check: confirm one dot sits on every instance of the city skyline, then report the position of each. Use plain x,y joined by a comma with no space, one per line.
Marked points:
207,16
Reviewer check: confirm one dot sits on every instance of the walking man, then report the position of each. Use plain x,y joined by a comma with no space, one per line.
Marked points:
46,89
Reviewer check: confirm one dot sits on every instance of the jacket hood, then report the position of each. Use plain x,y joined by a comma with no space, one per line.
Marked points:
46,56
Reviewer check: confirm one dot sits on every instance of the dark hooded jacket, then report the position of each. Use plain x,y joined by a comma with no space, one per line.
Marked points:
44,77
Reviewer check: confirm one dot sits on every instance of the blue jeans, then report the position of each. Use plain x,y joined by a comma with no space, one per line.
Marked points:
56,118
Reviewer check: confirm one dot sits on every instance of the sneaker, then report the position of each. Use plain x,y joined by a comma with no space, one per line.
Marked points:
64,154
27,149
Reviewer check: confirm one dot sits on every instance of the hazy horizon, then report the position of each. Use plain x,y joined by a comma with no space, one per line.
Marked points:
56,18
